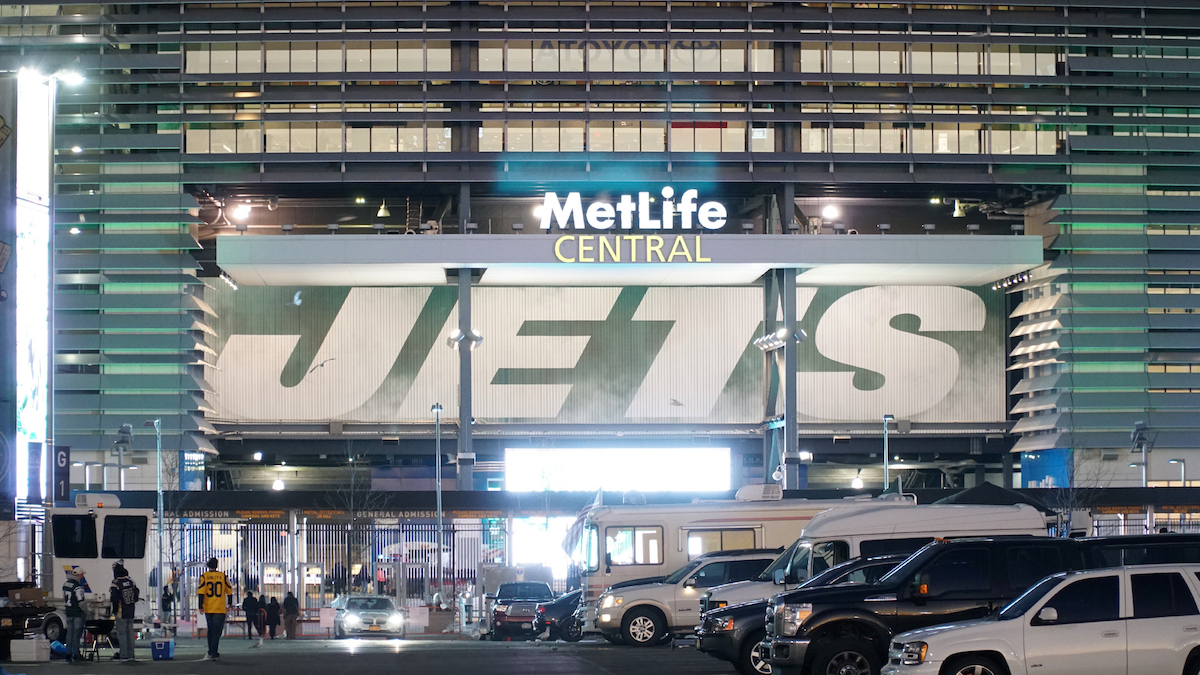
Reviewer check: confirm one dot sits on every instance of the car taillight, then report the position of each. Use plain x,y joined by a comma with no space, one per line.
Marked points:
541,609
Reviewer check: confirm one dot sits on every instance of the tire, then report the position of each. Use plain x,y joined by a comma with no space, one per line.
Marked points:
571,631
749,660
338,633
53,629
846,656
643,628
1192,667
973,665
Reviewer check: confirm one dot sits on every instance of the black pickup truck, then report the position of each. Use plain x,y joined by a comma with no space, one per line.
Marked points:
735,633
846,630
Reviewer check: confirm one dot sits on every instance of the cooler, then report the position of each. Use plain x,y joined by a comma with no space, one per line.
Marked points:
162,649
31,651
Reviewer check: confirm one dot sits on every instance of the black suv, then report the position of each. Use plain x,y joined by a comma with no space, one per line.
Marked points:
846,630
735,633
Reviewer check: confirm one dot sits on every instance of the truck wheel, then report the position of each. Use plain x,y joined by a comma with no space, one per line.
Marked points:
973,665
642,628
53,629
750,661
846,656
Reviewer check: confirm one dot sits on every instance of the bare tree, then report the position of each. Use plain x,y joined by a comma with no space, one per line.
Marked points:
355,496
1086,473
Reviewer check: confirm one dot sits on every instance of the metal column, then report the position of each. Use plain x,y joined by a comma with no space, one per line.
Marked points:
466,451
791,441
464,211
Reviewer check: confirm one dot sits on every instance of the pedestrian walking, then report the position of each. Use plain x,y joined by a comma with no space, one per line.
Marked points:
123,594
73,592
273,610
215,595
291,614
168,603
250,607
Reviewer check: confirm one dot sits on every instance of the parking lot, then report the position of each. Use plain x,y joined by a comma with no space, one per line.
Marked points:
427,655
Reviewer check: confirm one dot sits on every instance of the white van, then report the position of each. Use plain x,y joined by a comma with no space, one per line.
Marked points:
841,533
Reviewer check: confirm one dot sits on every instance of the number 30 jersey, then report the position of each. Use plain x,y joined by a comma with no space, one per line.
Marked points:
213,589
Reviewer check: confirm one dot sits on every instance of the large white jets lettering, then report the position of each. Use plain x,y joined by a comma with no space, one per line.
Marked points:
918,371
642,213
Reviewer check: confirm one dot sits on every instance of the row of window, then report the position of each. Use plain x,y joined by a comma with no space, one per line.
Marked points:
621,56
618,136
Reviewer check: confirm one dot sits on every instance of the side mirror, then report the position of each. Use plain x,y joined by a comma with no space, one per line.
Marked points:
489,596
920,587
690,583
608,563
779,577
1048,615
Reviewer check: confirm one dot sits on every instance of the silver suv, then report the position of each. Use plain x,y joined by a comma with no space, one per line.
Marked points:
645,614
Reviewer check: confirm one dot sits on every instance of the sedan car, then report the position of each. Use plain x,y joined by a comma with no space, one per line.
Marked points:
367,615
559,618
515,608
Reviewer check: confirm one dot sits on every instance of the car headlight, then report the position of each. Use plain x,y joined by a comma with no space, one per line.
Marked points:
611,601
790,616
353,620
910,653
395,620
723,624
502,608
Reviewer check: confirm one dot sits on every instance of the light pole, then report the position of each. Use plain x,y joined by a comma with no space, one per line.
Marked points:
1182,470
887,420
437,479
1141,439
157,424
1134,465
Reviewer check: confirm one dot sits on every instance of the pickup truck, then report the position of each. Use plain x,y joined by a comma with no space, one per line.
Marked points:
848,630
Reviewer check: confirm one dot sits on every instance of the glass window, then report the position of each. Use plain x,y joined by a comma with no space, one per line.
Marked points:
867,575
1029,564
437,56
124,537
370,604
491,137
627,57
826,554
1159,595
249,59
744,570
383,57
878,547
591,548
700,542
74,536
1088,600
959,573
491,56
633,545
329,57
410,57
278,57
712,574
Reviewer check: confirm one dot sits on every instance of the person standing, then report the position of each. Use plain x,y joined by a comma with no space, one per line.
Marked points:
123,594
272,616
291,614
215,595
250,607
73,592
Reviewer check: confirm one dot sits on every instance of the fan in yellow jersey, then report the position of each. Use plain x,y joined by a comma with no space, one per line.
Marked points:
216,594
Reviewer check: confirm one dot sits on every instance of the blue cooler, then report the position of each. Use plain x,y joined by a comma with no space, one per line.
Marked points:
162,649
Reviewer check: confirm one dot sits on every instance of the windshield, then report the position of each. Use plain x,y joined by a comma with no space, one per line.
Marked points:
1029,598
779,563
370,604
588,553
679,574
524,590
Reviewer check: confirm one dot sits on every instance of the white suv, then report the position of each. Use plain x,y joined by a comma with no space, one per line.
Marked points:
1139,620
643,615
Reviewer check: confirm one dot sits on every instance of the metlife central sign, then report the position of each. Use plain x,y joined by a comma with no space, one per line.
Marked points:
645,213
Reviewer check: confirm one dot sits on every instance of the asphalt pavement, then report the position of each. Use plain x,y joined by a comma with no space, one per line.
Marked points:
414,655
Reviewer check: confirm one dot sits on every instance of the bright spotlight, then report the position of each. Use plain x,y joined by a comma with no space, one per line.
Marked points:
537,211
857,483
278,484
75,230
831,212
258,456
76,148
241,211
71,77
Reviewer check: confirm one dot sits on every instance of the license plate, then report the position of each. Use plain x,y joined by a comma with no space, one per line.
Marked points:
526,626
373,628
5,622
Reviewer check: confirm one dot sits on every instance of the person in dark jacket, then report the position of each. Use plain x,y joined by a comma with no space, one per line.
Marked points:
291,615
73,594
250,607
273,610
123,594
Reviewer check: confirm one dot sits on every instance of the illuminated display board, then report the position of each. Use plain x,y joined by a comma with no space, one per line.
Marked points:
35,105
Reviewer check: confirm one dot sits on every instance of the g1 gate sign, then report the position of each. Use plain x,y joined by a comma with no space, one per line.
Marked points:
605,355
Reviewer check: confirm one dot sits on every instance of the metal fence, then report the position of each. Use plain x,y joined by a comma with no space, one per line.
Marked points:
395,559
1137,524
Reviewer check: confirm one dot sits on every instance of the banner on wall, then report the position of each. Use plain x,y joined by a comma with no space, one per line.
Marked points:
604,355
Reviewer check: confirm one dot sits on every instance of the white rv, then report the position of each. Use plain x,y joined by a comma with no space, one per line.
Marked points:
839,534
92,537
620,544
